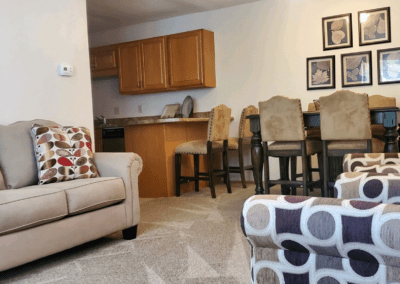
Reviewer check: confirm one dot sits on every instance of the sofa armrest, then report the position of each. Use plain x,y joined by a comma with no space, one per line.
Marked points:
350,161
367,186
128,166
349,229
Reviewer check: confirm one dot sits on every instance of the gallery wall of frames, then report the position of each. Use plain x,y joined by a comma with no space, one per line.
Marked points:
357,67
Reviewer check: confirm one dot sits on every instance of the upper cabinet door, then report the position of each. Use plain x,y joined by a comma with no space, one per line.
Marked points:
185,59
153,63
103,61
130,69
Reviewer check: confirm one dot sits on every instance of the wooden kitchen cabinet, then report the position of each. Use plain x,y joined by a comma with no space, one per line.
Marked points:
191,59
103,61
142,66
169,63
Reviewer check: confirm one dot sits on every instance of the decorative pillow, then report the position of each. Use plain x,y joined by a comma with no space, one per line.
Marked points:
63,153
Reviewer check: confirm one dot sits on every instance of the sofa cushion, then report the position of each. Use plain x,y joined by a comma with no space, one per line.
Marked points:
17,157
63,153
85,195
25,208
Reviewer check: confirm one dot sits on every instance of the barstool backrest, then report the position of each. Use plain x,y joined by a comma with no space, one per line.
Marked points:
345,116
218,125
244,124
381,101
281,119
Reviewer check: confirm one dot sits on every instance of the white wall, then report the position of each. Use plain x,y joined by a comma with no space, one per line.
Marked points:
36,37
260,51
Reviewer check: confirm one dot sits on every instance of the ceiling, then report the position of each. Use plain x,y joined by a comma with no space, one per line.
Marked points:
108,14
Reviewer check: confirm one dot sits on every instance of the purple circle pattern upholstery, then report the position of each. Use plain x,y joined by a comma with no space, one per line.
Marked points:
351,161
322,240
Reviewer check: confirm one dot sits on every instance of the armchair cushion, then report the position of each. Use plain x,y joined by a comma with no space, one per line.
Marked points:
63,153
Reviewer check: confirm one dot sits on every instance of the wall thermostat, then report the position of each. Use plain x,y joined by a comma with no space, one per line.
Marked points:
65,70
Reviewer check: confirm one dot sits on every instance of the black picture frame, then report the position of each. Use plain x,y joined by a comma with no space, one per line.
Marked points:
388,61
321,72
374,26
356,69
337,32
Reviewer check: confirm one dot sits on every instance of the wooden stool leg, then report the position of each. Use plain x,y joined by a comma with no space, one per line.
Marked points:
178,159
210,169
293,172
226,166
324,189
284,169
196,171
266,169
305,167
321,170
241,164
310,179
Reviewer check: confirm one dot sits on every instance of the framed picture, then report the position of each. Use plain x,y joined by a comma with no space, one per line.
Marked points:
374,26
170,110
321,72
389,66
337,31
356,69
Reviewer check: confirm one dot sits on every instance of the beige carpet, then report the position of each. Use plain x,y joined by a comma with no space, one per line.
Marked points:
188,239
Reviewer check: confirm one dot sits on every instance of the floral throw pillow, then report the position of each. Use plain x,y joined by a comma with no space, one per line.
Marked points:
63,153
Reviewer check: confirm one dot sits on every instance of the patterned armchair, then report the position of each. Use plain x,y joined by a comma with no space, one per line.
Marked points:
354,238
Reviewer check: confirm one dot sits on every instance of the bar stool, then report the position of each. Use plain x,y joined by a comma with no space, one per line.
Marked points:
217,140
345,128
237,144
281,120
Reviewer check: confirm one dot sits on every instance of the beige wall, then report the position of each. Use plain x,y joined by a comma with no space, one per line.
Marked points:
36,36
261,50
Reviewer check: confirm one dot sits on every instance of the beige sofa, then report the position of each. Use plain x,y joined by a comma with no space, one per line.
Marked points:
39,220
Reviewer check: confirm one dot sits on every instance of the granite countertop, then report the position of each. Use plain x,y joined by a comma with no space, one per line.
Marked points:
130,121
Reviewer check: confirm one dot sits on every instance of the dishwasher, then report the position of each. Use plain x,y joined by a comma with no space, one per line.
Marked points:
113,139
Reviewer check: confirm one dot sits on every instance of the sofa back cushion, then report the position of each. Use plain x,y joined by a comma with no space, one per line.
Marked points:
17,157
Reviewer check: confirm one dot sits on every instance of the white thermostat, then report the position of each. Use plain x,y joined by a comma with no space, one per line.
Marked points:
65,70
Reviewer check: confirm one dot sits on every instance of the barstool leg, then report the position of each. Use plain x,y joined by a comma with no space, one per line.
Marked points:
196,171
226,166
241,164
305,167
266,169
210,169
310,179
324,189
178,159
293,172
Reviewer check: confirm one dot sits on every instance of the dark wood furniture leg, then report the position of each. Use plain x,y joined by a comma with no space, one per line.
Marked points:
226,166
129,233
196,171
266,169
284,174
324,188
241,163
257,155
293,172
305,167
210,169
178,158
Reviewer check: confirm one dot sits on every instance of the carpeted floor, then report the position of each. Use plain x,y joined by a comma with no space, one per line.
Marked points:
188,239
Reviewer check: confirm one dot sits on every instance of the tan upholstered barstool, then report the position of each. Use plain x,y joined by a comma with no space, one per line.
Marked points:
281,120
345,129
378,130
237,144
217,140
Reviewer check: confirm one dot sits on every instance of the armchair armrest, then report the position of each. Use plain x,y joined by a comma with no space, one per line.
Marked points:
367,186
350,161
351,229
128,166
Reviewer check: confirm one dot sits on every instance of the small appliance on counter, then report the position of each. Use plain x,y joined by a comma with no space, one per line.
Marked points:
113,139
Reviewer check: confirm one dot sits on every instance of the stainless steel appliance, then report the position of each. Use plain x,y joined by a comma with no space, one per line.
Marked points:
113,139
